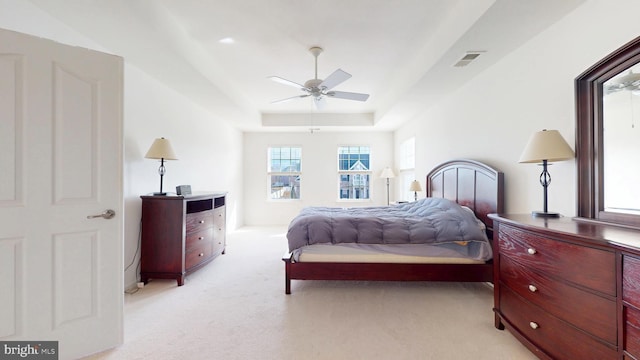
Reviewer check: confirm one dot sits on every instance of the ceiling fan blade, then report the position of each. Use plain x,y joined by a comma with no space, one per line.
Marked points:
287,82
336,78
320,102
289,99
348,95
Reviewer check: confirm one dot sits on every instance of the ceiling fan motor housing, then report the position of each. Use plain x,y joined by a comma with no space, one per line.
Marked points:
313,86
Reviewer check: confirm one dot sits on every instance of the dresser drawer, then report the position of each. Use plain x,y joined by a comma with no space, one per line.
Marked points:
198,254
632,331
631,280
219,217
588,267
552,335
590,312
218,246
195,237
219,222
199,220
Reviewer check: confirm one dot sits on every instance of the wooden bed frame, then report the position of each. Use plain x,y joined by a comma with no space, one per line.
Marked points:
469,183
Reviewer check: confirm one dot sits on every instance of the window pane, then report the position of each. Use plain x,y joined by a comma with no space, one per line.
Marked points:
275,165
354,186
285,153
285,187
275,153
284,159
407,154
353,158
296,165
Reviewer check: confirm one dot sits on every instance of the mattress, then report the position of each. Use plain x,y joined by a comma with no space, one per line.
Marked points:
370,253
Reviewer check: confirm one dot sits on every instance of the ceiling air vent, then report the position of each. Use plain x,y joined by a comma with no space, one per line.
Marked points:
467,58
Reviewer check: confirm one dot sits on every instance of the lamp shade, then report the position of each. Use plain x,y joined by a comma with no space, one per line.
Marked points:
161,149
415,186
387,173
546,145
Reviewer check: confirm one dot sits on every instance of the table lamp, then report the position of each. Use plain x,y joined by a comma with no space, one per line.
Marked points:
415,187
543,147
161,149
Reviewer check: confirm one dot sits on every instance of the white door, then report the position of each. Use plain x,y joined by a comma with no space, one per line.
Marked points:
61,274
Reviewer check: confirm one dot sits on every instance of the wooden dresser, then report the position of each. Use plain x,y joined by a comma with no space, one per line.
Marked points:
568,289
180,234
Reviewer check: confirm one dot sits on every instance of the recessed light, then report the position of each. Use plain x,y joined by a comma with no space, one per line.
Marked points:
227,40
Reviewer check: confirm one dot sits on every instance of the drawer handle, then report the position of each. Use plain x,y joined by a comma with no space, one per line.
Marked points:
201,254
531,251
532,288
201,238
201,221
534,325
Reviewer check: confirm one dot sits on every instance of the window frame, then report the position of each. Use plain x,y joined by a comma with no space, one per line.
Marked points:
408,168
271,173
367,172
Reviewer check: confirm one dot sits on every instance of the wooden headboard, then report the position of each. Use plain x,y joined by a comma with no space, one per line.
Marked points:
469,183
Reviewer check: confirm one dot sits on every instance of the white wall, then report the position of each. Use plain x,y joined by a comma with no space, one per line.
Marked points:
491,117
319,185
209,150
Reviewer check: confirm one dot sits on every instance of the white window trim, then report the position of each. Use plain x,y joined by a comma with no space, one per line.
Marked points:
353,172
407,169
278,173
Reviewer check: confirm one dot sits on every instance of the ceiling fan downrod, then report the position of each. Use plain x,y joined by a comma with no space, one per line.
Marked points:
315,51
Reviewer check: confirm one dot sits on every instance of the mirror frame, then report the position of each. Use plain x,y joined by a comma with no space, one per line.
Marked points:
589,127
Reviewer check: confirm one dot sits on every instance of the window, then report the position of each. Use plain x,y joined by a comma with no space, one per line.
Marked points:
354,172
407,168
284,172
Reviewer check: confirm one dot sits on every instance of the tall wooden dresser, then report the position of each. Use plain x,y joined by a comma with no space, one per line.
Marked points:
180,234
568,289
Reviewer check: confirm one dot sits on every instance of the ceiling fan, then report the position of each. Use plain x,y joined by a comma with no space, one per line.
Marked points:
320,89
629,81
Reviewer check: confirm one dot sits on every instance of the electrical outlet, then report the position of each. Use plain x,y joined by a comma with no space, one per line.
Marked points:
140,285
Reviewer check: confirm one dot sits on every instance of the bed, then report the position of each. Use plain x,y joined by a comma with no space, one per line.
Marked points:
477,187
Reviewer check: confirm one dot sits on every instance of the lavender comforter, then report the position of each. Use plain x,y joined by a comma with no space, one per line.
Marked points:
431,221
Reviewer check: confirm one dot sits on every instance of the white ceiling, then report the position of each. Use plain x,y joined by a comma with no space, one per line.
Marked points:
400,52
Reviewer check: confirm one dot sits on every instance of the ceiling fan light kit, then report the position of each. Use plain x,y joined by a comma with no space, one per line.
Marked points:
318,88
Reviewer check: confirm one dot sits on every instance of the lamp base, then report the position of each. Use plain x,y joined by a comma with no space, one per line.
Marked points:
545,214
159,194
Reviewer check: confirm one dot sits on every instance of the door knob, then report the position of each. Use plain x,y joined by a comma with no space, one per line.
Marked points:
107,214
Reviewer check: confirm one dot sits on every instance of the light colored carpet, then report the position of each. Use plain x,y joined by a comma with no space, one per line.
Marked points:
235,308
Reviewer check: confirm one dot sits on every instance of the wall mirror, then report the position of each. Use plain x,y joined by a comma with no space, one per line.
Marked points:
608,138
